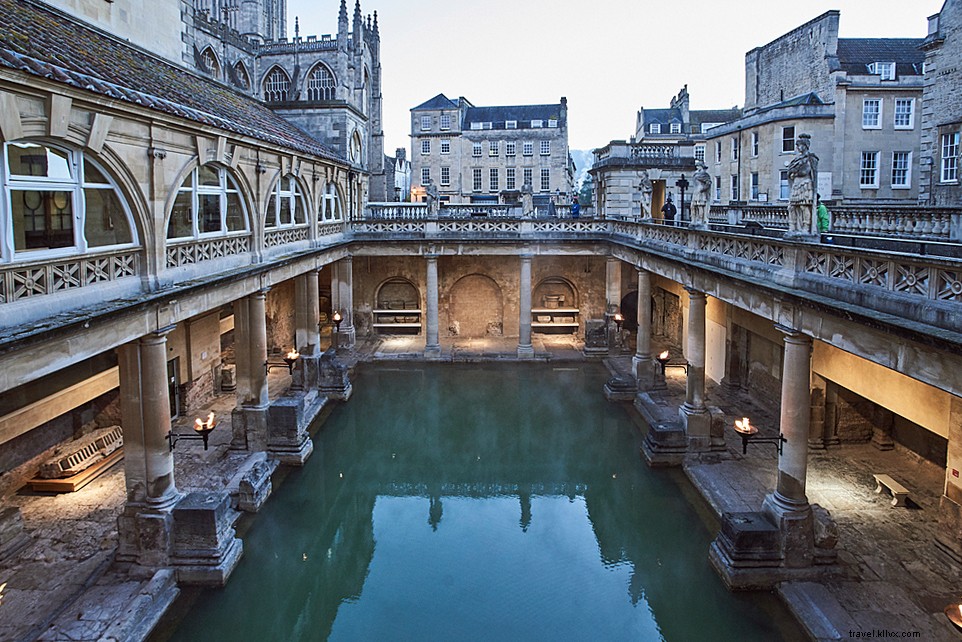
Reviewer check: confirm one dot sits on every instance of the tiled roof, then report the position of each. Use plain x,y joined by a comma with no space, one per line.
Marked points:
513,112
41,42
855,54
699,116
438,102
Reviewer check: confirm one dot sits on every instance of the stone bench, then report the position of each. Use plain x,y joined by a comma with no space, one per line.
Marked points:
899,492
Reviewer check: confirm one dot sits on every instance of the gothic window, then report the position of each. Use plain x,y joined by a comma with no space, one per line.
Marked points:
277,85
241,77
58,202
208,203
209,59
286,206
321,84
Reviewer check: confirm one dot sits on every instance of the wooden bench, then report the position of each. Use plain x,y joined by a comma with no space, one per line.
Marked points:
899,492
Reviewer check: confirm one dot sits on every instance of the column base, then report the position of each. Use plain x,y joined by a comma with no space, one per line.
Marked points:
144,536
335,379
526,351
696,422
796,526
249,426
432,353
346,338
666,443
882,441
949,538
620,388
250,487
647,373
749,554
289,418
307,372
205,550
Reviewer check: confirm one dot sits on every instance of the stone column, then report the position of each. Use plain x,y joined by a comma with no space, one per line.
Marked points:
613,282
949,536
307,316
788,506
249,418
644,368
432,344
342,289
145,524
694,414
525,349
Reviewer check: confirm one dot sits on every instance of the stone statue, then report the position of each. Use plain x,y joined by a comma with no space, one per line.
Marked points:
433,198
701,184
802,175
527,200
646,189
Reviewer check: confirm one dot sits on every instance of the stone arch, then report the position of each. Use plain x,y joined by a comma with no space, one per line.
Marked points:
210,61
476,307
397,293
554,292
241,76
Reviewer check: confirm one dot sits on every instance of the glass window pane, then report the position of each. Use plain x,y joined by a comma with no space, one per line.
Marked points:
180,217
105,222
235,213
41,220
208,175
300,212
92,175
271,218
208,213
285,212
29,159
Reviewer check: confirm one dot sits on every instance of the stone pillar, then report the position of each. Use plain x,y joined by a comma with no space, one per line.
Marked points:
145,524
694,414
613,282
307,317
342,291
645,369
432,344
525,349
249,418
949,537
787,507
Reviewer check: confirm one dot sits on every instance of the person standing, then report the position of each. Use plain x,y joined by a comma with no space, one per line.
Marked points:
823,219
575,207
669,211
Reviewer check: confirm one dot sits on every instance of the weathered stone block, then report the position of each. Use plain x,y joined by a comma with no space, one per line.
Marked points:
250,487
288,421
205,550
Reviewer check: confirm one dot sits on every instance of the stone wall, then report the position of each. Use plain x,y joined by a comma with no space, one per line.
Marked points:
279,307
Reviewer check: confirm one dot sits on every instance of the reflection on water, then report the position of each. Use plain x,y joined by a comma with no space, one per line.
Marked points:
477,502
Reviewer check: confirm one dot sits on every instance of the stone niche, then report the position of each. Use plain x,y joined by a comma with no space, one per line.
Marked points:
553,293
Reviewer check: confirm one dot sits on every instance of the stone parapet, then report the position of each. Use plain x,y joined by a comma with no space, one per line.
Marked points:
204,548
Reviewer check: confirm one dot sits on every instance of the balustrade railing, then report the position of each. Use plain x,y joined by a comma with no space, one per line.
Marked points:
941,224
190,252
20,281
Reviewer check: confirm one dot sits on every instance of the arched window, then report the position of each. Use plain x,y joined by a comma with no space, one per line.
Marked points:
286,206
241,78
277,85
330,204
207,204
59,202
321,84
209,59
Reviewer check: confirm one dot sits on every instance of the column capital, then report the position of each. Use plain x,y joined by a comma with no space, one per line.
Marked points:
792,335
160,334
695,293
431,256
526,256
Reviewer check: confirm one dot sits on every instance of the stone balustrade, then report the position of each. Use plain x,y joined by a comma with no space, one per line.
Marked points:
20,281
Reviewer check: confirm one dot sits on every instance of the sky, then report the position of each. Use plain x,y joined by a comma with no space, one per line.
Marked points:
608,57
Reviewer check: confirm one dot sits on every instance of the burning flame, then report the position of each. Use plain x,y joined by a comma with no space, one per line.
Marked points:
201,426
663,355
293,354
742,425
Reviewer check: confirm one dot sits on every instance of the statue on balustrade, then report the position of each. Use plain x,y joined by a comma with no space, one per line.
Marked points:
802,177
646,188
433,199
701,184
527,199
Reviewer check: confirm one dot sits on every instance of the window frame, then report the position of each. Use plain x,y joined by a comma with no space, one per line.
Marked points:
445,146
425,124
545,148
545,179
949,157
788,139
444,123
911,114
223,190
866,170
494,179
445,177
476,179
296,201
867,120
906,183
425,146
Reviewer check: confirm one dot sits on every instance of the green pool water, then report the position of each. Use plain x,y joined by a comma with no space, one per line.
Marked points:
477,502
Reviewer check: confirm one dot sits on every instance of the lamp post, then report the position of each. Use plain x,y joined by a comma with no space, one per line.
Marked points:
202,430
682,184
749,432
336,318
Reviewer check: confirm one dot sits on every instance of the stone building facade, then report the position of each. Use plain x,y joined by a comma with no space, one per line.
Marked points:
859,100
486,154
941,113
664,148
